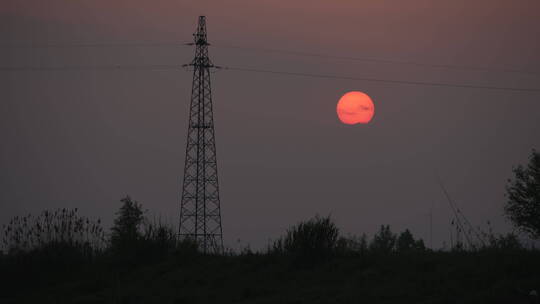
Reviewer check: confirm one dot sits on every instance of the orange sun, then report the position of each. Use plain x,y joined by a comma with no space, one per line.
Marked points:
355,107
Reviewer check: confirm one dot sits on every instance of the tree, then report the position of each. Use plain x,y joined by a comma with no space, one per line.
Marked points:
384,241
352,245
406,242
523,193
126,230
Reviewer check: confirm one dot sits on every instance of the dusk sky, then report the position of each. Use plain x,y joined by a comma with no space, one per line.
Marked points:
86,138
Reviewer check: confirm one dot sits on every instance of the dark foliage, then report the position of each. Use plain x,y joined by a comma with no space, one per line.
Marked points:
158,240
352,245
384,241
430,277
406,242
60,228
508,242
135,239
314,239
391,269
126,232
523,192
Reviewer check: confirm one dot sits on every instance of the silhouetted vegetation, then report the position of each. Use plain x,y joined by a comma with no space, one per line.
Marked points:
523,192
384,241
135,239
61,228
314,239
406,243
60,257
126,232
508,242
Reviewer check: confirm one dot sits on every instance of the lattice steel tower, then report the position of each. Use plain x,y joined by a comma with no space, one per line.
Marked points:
200,215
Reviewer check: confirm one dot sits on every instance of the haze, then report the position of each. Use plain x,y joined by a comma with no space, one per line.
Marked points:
87,138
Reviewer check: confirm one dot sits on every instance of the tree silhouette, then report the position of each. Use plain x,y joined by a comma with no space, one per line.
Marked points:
384,240
523,193
406,242
126,230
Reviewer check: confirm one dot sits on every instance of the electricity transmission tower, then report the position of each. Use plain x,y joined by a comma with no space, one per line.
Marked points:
200,215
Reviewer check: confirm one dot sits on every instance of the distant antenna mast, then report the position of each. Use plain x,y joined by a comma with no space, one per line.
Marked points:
200,214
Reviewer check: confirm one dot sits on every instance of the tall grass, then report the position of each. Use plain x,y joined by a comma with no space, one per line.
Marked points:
52,228
313,239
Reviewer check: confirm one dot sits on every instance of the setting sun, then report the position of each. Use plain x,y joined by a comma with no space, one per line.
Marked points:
355,107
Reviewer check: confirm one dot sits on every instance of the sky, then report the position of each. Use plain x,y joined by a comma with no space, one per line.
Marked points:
85,138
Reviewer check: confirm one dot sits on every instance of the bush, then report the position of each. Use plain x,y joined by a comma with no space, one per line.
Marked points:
406,242
508,242
157,240
134,238
313,239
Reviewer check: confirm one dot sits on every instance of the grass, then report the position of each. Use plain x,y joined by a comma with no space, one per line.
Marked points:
428,277
311,263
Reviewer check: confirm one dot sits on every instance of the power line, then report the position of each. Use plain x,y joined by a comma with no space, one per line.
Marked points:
272,50
253,70
385,61
91,68
422,83
90,45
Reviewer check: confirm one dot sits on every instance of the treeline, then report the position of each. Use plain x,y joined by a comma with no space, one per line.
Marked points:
62,257
66,236
320,237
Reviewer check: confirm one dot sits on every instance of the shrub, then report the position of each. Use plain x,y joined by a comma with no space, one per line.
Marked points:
406,242
134,238
313,239
157,239
504,242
